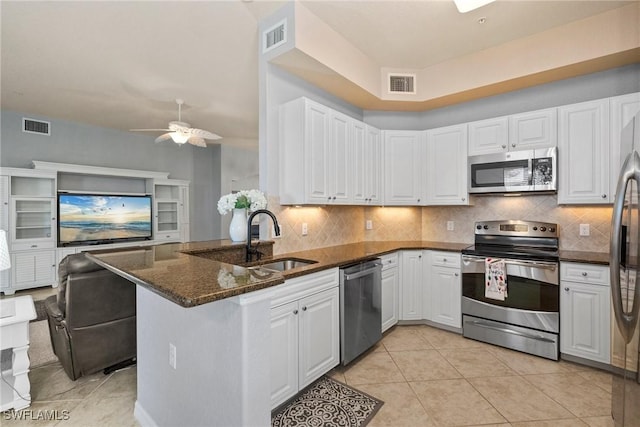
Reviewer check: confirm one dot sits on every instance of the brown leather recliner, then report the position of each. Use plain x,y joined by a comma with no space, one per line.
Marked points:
92,319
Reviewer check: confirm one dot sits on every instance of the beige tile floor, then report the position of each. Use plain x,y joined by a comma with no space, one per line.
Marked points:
425,376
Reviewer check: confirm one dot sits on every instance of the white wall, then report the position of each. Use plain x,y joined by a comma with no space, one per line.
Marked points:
79,143
238,171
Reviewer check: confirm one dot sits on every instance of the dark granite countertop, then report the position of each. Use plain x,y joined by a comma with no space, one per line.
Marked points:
177,272
585,257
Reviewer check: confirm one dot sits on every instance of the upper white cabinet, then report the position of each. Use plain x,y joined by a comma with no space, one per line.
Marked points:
366,164
489,136
446,169
622,109
524,131
533,129
583,159
404,171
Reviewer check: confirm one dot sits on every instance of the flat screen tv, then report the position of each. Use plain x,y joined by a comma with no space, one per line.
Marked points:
91,219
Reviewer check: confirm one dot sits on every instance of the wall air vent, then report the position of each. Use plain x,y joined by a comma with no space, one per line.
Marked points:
274,36
402,83
36,126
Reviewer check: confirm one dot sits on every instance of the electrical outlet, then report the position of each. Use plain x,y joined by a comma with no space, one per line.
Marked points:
584,230
172,355
305,228
368,225
450,226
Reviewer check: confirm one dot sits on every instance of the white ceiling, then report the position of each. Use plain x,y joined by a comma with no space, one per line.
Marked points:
122,64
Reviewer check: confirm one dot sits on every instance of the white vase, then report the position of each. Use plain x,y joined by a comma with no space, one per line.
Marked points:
238,226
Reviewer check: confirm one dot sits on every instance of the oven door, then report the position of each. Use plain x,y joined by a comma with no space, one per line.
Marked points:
533,299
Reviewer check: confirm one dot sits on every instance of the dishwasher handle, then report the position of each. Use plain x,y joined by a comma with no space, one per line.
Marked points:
367,272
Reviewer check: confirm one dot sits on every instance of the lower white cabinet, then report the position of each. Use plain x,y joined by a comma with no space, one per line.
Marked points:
411,279
390,282
31,269
444,292
585,311
305,333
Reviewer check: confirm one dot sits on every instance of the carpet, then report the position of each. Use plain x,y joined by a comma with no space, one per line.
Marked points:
328,403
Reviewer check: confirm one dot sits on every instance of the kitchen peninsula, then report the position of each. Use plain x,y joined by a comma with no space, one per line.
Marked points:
203,325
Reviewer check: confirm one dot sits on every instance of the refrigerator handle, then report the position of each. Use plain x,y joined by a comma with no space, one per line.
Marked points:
626,321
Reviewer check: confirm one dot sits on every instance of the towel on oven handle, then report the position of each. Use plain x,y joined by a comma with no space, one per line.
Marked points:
495,279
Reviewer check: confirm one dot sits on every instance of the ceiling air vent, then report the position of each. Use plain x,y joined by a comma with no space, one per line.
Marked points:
402,83
275,36
36,126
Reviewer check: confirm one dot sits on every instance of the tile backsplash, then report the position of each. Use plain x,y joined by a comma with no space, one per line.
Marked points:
337,225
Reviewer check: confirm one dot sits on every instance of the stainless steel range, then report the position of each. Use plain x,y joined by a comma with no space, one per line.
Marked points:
510,291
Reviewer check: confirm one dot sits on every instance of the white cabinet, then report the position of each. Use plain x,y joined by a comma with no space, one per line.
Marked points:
533,129
585,311
4,224
305,332
446,180
171,206
524,131
583,146
366,164
622,110
443,291
489,136
315,154
404,170
390,282
411,284
30,269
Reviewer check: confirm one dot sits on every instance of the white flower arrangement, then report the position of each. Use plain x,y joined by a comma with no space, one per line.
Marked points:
249,199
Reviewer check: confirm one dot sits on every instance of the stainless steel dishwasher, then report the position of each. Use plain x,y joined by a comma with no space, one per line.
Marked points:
360,308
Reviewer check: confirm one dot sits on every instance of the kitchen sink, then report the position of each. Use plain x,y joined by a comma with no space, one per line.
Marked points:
285,264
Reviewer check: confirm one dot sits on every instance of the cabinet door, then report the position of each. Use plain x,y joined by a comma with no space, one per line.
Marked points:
4,203
404,157
340,159
488,136
389,298
446,296
585,326
33,223
411,282
33,268
533,129
583,147
317,137
359,162
319,325
184,214
447,166
284,352
622,110
373,165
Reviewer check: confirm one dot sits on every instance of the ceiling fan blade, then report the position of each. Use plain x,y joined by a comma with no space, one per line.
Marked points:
200,133
149,130
163,137
197,141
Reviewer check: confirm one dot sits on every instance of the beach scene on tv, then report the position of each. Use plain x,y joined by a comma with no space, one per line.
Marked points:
90,217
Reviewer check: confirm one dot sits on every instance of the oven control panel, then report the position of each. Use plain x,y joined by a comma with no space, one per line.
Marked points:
517,228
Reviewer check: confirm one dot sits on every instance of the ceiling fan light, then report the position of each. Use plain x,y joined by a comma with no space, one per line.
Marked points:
465,6
179,137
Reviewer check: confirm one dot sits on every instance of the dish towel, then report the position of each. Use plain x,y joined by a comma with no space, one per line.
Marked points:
495,279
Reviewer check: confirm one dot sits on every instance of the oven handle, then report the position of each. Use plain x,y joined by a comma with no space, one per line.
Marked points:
485,325
537,264
363,273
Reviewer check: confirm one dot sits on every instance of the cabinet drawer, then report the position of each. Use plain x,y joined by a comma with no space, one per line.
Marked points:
300,287
33,245
585,273
445,259
389,261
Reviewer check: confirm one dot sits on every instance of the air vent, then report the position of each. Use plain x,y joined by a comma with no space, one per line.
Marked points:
275,36
402,83
36,126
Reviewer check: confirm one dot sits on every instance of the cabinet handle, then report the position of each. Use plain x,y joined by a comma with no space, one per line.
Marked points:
418,200
419,256
566,289
584,274
329,198
304,308
53,219
34,246
456,274
504,146
463,199
295,311
334,197
513,145
444,260
604,196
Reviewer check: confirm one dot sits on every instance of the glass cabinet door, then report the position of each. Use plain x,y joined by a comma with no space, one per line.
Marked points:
33,218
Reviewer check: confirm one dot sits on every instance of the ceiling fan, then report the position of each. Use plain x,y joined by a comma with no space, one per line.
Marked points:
181,132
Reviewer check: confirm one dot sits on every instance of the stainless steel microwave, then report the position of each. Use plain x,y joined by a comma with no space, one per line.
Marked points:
514,171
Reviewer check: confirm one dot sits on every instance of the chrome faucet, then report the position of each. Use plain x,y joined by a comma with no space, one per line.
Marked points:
276,227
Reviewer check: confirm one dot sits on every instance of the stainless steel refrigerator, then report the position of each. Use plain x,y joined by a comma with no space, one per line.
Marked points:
624,263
